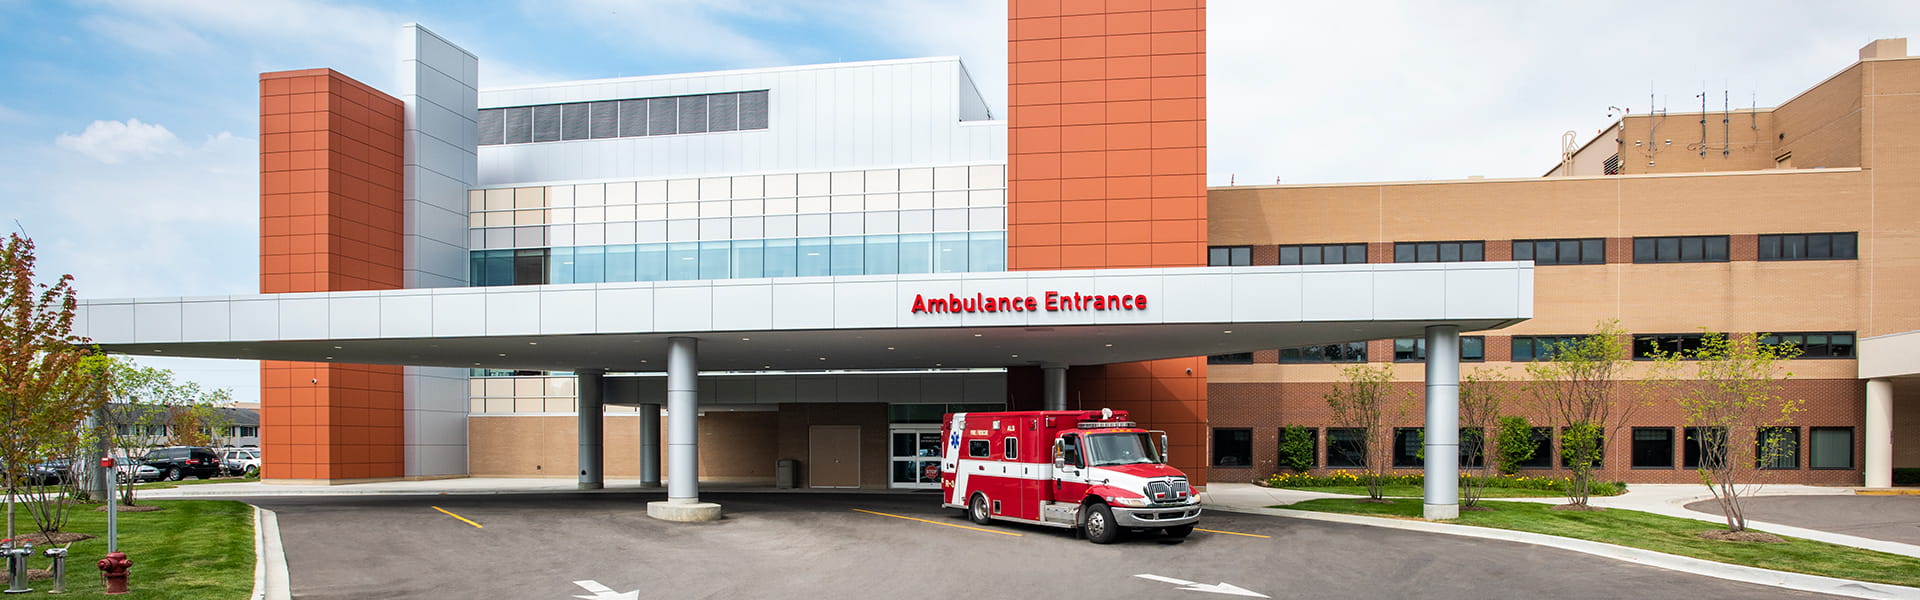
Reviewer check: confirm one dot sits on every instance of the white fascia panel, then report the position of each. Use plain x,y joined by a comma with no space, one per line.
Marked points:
255,318
1136,285
1485,293
866,304
460,312
1407,292
353,316
683,307
1338,295
1266,296
157,321
513,313
205,321
623,307
742,307
569,309
803,303
1197,298
304,318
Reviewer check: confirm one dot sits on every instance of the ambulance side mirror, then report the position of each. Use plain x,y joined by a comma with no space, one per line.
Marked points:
1165,450
1059,454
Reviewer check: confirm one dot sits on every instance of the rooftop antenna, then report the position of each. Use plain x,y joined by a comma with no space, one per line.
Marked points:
1703,118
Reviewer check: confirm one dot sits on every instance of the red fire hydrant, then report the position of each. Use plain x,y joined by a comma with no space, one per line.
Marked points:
114,568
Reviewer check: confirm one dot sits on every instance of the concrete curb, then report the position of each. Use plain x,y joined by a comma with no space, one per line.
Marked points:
1781,579
270,577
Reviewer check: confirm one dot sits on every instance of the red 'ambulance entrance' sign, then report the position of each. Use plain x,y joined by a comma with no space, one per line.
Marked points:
1051,301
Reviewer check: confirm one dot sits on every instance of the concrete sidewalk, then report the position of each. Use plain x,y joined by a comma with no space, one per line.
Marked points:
465,486
1661,499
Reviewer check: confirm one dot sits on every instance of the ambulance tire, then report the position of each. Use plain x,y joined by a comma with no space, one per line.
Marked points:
1178,531
977,510
1099,526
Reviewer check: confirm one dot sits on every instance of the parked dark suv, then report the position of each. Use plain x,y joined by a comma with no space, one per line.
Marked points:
181,461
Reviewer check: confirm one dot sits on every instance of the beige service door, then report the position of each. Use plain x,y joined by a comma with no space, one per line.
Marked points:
833,456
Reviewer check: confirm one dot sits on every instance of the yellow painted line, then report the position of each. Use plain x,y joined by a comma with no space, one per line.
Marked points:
462,519
1234,533
1888,492
933,522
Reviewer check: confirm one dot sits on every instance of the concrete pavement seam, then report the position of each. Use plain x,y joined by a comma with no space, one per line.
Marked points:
1671,562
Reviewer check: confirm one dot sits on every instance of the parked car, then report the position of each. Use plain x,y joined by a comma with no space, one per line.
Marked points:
240,461
53,472
178,462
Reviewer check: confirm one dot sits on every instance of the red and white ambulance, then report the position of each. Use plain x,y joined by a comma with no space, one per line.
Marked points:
1088,469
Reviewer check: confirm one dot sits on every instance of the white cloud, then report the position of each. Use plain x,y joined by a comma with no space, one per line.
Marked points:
711,30
114,141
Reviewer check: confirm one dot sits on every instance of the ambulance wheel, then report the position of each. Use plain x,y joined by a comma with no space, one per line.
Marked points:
977,510
1099,527
1179,531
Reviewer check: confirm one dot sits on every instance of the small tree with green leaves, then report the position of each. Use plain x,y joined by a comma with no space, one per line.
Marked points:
1296,448
145,404
1364,399
1513,446
1729,389
1482,393
1579,389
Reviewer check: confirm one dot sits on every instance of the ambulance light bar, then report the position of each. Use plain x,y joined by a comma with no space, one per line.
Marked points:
1104,424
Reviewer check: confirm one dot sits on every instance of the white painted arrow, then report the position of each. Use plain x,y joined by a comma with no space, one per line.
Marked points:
601,592
1222,588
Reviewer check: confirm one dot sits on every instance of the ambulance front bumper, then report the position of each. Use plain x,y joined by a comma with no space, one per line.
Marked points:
1168,516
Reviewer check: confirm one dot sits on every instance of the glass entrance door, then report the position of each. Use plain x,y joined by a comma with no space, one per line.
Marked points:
916,457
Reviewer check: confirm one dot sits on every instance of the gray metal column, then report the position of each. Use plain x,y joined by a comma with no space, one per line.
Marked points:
1879,434
593,435
1056,386
1443,423
683,444
650,445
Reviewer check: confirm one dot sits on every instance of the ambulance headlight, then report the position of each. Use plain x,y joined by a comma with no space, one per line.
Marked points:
1130,501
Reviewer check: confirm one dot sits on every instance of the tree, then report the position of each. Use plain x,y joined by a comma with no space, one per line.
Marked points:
1482,393
1364,399
149,408
1733,398
1296,448
47,375
1514,445
1579,389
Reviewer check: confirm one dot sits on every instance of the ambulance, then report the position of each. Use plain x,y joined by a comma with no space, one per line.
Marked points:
1091,470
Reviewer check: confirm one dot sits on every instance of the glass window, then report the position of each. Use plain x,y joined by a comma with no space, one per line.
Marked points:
1680,249
561,269
1653,447
1407,442
1777,448
883,254
987,251
589,264
1232,447
848,256
620,263
1349,352
1542,449
1832,344
782,258
650,262
530,266
1698,440
1810,246
1646,347
916,253
1229,256
814,256
978,448
1346,447
748,259
1830,448
1237,358
714,259
1323,254
499,267
949,253
1439,251
1588,251
1473,443
1010,448
683,261
1473,348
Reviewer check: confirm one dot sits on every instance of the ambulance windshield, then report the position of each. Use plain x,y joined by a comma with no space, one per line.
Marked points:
1109,449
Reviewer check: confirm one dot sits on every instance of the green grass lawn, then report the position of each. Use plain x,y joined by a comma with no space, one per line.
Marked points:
1672,535
194,549
1414,491
165,485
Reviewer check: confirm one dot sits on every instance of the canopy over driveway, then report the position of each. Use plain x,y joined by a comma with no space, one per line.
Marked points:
863,322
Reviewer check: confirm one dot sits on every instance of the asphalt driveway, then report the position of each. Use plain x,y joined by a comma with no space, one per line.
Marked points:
783,545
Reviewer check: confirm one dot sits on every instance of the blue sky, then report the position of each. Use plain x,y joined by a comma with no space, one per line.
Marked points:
127,128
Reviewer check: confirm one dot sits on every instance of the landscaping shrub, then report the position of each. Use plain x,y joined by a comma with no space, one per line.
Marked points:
1523,482
1513,445
1296,448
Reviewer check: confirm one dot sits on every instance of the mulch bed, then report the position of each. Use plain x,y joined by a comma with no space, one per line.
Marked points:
1575,507
135,508
1476,508
1373,501
58,537
1741,536
32,575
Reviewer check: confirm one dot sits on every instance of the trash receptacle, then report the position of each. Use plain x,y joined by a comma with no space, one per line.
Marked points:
786,473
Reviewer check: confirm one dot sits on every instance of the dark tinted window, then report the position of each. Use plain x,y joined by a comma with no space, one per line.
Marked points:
1406,446
1233,447
1348,352
1698,248
1439,251
1830,344
1528,348
1698,439
1229,256
1237,358
1653,447
1646,347
1542,449
1472,348
1323,254
1346,447
1810,246
1588,251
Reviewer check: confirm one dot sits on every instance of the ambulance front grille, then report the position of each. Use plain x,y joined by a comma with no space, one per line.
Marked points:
1163,492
